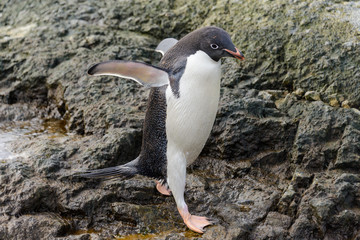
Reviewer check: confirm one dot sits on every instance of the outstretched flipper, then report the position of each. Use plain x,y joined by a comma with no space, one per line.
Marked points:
127,170
142,73
165,45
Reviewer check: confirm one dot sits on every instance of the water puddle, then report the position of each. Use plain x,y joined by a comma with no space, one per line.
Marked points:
187,234
11,132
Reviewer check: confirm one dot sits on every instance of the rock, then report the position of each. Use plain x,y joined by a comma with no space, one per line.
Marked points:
318,135
219,232
349,152
312,96
242,121
323,208
345,104
301,178
299,92
35,226
333,100
283,157
304,228
274,227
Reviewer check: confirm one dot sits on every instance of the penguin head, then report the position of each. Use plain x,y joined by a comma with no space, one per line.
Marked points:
217,43
214,41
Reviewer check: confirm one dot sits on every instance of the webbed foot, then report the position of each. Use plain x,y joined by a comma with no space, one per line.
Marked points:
195,223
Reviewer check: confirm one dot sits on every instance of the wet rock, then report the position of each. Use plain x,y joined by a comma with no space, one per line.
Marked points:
282,160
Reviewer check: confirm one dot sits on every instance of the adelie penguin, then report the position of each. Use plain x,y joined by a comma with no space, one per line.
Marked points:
183,101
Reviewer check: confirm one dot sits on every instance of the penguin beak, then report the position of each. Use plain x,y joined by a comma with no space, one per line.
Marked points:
236,54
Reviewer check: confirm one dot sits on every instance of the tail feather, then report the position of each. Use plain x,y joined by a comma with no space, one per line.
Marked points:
126,170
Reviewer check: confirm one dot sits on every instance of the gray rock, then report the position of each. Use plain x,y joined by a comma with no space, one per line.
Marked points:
274,227
312,96
349,152
35,226
283,157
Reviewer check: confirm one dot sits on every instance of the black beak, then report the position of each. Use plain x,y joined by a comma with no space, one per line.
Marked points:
236,54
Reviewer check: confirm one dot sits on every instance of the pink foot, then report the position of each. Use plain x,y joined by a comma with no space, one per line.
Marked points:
162,189
195,223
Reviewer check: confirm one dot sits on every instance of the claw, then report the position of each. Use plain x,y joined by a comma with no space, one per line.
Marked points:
195,223
162,189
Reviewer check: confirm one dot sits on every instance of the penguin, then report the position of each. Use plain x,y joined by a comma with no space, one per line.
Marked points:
181,110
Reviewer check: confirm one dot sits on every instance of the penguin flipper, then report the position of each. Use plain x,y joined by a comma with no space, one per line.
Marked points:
165,45
142,73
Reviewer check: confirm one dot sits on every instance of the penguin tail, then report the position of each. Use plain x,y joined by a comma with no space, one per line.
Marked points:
126,171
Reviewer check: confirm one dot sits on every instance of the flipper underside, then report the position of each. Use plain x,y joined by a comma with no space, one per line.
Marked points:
142,73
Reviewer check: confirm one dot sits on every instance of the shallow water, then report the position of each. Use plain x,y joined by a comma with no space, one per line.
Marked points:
11,132
186,234
5,138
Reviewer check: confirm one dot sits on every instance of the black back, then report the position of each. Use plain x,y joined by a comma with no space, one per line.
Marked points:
152,159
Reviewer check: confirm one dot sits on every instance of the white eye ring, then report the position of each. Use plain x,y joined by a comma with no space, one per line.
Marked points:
214,46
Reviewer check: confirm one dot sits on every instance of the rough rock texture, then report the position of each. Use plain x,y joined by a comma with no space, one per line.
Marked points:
283,158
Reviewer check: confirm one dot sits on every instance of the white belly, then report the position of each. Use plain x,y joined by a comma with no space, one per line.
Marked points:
191,116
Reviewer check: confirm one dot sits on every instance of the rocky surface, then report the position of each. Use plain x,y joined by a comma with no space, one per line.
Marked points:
283,158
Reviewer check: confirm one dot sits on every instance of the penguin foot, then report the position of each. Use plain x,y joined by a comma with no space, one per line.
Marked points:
163,189
195,223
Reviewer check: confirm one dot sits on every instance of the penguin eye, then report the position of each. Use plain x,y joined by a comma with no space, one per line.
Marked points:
214,46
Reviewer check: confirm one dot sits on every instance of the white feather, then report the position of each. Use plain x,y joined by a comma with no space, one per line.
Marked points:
190,117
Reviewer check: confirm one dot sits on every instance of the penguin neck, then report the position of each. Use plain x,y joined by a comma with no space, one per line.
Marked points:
200,68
